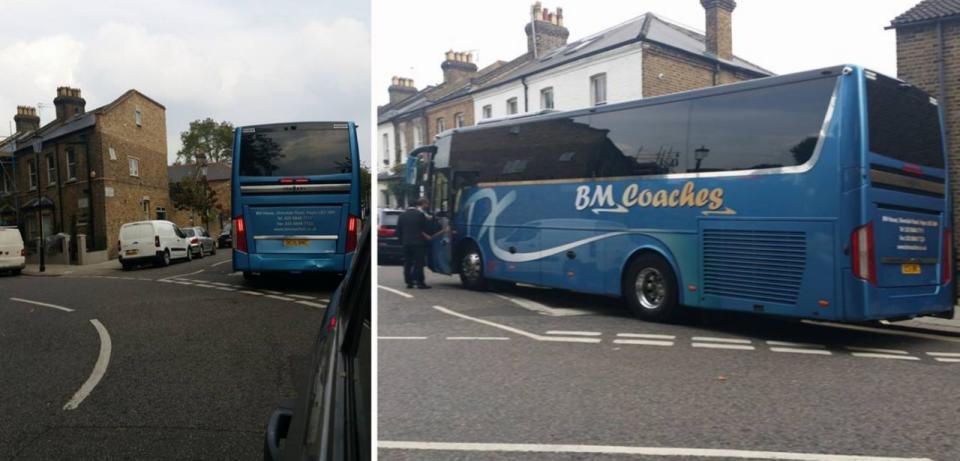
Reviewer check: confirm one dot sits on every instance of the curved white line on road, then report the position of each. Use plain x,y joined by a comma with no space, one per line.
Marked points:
99,368
38,303
182,275
623,450
221,262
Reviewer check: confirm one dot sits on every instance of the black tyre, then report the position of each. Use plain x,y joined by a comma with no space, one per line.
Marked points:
189,254
200,253
125,266
650,288
471,268
213,250
16,271
163,259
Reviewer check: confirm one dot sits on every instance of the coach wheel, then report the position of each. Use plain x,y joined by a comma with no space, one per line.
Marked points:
650,288
471,269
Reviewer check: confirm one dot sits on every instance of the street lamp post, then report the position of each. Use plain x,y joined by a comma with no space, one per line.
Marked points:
37,147
699,155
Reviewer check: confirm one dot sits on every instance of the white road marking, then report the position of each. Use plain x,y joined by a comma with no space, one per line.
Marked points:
625,450
879,351
99,368
944,354
281,298
792,344
38,303
946,360
543,309
574,333
184,275
882,331
221,263
401,337
478,338
396,292
517,330
308,303
233,274
182,282
739,347
721,340
300,296
643,342
873,355
644,335
271,292
795,350
204,285
248,292
226,288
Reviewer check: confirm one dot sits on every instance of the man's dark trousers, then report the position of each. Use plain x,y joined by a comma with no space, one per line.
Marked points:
414,258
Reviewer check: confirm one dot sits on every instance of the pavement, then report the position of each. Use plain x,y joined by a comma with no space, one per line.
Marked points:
181,362
529,373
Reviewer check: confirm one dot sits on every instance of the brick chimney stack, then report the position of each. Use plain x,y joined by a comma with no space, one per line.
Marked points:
401,89
458,66
720,27
69,103
26,119
545,31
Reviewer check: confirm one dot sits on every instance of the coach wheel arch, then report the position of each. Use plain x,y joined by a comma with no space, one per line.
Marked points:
663,255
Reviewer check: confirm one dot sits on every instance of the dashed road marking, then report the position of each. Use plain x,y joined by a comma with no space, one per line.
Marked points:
944,354
878,351
38,303
281,298
254,293
874,355
738,347
798,350
300,296
644,342
396,292
271,292
645,336
947,360
792,344
221,262
308,303
721,340
574,333
226,288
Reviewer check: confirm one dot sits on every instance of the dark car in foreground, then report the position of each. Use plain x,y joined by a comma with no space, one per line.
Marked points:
225,240
389,248
331,419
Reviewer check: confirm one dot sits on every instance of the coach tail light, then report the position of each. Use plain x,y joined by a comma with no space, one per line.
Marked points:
864,255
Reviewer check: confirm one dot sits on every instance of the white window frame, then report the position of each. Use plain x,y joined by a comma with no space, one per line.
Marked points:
598,89
386,148
487,111
546,95
458,120
131,161
112,152
138,117
71,161
513,106
51,170
441,125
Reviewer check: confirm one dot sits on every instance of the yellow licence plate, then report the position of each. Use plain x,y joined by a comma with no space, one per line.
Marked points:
910,268
295,242
131,252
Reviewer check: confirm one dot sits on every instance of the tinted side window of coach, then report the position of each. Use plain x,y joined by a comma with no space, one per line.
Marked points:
769,127
641,141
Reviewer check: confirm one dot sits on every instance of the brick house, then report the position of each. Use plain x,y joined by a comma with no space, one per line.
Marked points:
643,57
97,169
928,36
218,180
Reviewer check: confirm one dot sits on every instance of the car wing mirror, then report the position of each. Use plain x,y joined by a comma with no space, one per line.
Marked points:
277,429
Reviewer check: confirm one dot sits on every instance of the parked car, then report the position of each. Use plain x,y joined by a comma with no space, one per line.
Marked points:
225,240
389,248
157,242
200,241
331,419
13,255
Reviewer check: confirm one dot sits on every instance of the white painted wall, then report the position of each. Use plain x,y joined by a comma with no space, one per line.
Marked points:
571,83
386,152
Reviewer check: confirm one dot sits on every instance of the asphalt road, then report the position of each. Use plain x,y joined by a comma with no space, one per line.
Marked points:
198,359
526,373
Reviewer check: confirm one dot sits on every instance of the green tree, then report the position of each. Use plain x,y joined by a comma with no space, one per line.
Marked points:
206,139
191,193
365,185
403,192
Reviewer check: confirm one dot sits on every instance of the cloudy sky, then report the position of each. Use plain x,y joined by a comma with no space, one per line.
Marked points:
781,35
244,61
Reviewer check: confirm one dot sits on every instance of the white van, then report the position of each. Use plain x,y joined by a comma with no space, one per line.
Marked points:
13,255
157,242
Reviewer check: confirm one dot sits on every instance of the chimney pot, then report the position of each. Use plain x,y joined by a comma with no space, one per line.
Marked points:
546,31
26,119
69,103
719,27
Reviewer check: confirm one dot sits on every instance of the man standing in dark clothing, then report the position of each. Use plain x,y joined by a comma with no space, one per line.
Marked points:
412,227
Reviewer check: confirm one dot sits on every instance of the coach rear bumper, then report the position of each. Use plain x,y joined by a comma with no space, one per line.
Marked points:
334,262
868,302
